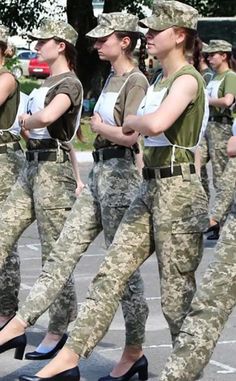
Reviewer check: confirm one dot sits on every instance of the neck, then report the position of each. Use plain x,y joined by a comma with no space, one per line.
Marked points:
224,67
172,63
59,67
122,66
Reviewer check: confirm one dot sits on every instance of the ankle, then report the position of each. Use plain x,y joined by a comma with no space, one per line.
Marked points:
132,352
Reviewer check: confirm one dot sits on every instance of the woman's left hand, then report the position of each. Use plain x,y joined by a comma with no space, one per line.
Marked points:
95,122
22,118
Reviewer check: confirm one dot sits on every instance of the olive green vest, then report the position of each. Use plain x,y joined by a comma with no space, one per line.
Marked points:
186,129
8,112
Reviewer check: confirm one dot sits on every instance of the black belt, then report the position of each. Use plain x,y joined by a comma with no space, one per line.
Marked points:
45,156
111,153
151,173
4,147
221,119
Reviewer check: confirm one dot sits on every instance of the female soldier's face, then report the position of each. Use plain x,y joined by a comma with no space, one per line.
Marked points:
216,59
160,42
109,48
47,50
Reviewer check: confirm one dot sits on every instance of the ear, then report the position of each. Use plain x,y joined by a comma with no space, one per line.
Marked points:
125,42
61,47
180,35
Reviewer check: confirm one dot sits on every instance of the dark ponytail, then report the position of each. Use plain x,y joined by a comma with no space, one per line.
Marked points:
142,54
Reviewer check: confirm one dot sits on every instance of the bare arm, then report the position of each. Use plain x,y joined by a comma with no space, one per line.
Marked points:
56,108
112,133
74,162
223,102
183,91
7,85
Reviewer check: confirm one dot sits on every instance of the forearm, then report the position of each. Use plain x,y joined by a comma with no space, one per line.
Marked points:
115,135
220,102
75,167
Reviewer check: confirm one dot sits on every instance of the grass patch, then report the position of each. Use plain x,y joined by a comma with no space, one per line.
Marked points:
88,136
28,84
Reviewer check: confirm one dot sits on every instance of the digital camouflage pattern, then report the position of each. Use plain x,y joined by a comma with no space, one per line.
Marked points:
218,46
11,163
111,22
4,33
218,135
159,217
101,206
44,191
225,193
170,13
210,309
50,28
205,157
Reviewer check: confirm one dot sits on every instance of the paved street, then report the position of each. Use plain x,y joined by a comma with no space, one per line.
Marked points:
157,347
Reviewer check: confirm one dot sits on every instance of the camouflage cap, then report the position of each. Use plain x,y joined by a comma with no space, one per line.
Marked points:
204,47
114,22
49,28
218,46
4,32
166,14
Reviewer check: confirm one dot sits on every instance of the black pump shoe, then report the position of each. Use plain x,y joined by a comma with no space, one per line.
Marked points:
18,343
45,356
68,375
140,367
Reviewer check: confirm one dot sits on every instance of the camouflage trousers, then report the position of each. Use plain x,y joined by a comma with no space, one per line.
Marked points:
210,309
11,163
169,214
213,147
101,206
44,191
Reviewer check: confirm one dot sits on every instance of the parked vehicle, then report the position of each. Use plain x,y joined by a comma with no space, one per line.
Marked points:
21,66
38,69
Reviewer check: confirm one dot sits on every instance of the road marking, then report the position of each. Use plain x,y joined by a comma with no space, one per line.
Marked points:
33,246
226,368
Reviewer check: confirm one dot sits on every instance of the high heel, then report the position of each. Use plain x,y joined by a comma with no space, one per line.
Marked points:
68,375
45,356
19,343
140,367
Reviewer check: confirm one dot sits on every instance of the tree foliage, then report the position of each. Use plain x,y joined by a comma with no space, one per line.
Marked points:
213,8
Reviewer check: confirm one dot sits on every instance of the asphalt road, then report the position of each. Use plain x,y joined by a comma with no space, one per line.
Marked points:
222,366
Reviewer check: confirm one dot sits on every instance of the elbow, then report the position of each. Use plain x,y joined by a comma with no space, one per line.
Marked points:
45,119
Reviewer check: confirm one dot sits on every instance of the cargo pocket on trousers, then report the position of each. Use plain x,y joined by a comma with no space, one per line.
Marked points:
187,240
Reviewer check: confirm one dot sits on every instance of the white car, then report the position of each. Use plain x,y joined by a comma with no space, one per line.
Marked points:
22,65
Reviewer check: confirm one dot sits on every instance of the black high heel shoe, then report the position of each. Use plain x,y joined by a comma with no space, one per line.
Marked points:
18,343
45,356
140,367
68,375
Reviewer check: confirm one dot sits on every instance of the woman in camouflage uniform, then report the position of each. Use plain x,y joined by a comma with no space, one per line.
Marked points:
114,179
11,159
45,189
170,209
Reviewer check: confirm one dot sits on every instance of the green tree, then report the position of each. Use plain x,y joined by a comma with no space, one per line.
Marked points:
214,8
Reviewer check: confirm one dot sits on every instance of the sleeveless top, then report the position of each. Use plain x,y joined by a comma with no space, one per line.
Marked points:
8,112
175,145
121,96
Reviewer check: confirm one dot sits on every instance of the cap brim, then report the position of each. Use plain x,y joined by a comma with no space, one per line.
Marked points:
99,32
154,23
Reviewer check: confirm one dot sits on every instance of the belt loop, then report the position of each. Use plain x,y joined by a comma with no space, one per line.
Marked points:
100,154
59,152
186,174
36,156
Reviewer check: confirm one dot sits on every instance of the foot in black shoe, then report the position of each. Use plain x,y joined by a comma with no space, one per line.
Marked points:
45,356
18,343
140,367
214,236
68,375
